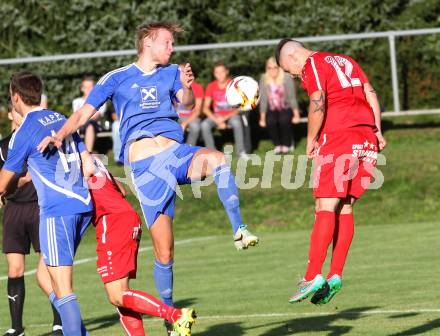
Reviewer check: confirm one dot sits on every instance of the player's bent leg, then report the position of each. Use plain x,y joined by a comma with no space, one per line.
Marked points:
343,236
131,320
211,162
61,279
131,302
45,283
43,277
161,233
16,292
320,239
66,301
322,235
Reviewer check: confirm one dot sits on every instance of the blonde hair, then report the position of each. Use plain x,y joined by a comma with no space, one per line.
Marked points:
151,29
279,80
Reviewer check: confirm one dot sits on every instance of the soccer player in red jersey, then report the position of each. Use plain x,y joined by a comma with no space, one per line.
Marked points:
344,137
118,230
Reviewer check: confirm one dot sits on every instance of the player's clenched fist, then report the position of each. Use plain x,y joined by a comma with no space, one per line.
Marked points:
187,76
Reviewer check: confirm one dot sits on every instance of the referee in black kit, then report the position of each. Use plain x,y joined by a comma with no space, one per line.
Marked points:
21,218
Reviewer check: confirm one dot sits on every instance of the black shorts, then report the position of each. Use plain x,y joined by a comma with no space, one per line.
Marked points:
20,227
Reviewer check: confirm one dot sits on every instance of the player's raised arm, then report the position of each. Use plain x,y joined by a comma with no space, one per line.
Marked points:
371,96
185,94
315,120
75,121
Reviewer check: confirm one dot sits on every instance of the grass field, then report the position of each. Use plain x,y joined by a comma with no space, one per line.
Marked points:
390,283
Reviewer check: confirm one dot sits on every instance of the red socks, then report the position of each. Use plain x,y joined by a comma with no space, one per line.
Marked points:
328,227
343,235
146,304
137,303
131,322
322,235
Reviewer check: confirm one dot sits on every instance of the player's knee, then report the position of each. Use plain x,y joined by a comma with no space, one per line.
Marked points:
15,271
217,159
165,256
115,299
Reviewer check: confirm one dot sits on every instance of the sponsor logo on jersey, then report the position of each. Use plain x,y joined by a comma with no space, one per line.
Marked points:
50,119
149,97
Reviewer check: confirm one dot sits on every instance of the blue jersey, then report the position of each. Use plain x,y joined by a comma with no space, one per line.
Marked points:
56,173
143,101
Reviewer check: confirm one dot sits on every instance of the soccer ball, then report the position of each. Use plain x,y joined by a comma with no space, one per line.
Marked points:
243,93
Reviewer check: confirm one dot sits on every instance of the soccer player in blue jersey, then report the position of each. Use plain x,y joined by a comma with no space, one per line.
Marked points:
143,94
63,197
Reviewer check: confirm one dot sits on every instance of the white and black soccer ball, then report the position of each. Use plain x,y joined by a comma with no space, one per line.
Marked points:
243,93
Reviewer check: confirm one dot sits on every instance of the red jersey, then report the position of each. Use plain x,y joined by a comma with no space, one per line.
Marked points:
218,95
198,93
342,80
105,194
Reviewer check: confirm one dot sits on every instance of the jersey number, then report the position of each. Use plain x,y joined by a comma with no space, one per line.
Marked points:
344,76
68,153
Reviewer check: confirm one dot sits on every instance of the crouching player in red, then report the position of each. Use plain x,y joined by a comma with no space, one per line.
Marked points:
118,231
344,137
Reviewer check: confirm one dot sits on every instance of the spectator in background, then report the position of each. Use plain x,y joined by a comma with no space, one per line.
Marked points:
91,127
278,106
43,103
219,113
189,119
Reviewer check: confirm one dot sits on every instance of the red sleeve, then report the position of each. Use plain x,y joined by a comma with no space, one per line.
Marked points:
314,78
198,90
209,89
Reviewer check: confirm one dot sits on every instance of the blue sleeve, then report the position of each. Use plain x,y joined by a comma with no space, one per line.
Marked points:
177,85
79,143
19,150
102,91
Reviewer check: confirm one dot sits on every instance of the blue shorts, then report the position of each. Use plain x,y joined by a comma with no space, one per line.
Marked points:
60,237
156,178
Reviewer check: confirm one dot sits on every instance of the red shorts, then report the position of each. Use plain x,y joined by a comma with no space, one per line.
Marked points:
345,163
117,243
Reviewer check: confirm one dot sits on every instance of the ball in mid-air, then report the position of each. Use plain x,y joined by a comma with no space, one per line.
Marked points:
243,93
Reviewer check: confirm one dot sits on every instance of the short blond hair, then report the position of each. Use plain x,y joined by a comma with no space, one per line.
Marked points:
151,29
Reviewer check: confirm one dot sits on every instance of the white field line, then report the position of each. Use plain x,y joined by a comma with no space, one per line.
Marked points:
89,318
143,249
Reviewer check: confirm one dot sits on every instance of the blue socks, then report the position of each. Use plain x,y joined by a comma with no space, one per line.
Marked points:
163,278
228,194
68,309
